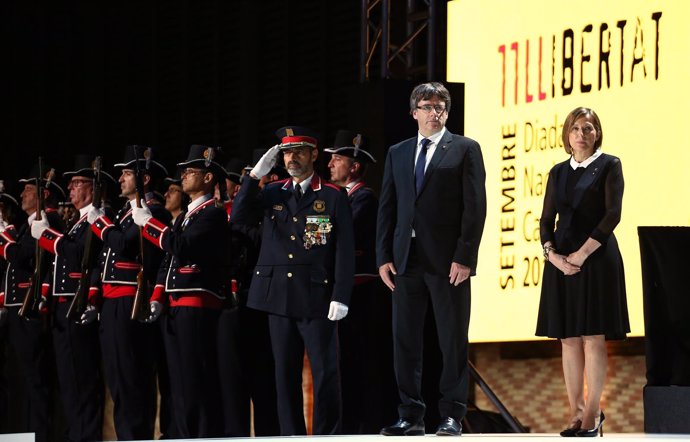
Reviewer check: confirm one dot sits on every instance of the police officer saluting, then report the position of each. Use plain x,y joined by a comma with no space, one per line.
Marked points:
128,346
195,281
303,277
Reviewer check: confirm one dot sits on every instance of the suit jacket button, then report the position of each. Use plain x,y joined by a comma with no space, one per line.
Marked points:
289,275
290,255
292,237
294,218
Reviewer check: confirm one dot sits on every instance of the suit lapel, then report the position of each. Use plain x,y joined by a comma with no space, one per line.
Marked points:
436,159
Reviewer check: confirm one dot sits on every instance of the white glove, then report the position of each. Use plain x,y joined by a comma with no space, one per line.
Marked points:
156,310
140,215
337,311
3,316
89,315
94,214
3,225
37,227
266,163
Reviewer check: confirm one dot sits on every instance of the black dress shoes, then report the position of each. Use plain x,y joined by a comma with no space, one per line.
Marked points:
404,427
449,427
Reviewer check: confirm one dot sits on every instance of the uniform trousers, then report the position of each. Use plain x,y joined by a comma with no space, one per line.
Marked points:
30,340
78,358
129,363
289,338
190,336
414,290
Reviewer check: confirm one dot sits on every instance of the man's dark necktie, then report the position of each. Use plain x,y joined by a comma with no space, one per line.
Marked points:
298,192
421,163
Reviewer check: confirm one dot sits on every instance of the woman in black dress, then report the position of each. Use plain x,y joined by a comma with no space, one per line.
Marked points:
583,299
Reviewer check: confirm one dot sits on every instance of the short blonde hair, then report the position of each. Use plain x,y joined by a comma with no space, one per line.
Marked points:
572,117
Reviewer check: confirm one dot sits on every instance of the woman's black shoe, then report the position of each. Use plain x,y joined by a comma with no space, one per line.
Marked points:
593,432
572,431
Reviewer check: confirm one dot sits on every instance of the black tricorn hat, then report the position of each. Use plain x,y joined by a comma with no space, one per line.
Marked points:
296,136
6,197
84,165
205,157
146,158
53,186
234,168
177,179
351,144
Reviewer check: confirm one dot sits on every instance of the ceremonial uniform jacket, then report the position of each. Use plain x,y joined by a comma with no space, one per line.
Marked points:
68,249
18,247
197,252
307,247
364,207
120,259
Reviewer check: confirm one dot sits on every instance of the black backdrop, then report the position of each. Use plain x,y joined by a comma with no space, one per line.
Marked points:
95,76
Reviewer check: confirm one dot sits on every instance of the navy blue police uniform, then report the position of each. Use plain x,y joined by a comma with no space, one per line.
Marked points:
305,262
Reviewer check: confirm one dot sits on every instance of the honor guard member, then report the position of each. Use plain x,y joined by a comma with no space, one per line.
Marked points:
369,392
128,346
77,350
176,201
303,277
194,279
29,335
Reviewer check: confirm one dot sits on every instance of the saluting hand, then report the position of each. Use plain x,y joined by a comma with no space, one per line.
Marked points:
385,273
140,215
266,163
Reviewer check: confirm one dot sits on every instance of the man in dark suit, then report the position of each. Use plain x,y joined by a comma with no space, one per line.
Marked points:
431,217
303,277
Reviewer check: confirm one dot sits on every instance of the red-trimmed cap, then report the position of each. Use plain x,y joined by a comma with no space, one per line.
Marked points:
296,136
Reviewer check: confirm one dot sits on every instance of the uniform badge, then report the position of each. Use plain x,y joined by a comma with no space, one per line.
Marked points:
278,207
319,206
317,230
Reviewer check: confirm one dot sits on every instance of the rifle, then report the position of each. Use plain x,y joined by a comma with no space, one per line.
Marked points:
78,305
32,298
141,306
